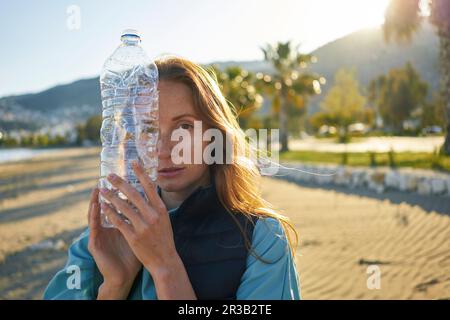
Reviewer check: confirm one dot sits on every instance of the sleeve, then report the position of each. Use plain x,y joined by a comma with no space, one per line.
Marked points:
80,278
277,279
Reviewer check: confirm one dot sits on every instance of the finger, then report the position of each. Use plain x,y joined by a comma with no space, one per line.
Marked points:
149,187
122,206
90,206
130,192
94,214
92,198
117,221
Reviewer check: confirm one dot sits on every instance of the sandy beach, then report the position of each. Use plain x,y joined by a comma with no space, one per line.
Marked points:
43,207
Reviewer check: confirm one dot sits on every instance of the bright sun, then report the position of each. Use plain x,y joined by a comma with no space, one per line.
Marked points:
336,18
362,13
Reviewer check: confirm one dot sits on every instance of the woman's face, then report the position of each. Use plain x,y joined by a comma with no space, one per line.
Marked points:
177,111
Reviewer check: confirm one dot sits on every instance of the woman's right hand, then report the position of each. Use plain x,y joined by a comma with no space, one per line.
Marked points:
112,254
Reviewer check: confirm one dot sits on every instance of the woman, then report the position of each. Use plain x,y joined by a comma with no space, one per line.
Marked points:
202,231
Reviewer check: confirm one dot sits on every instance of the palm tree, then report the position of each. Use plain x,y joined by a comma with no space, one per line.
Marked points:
287,86
403,18
237,85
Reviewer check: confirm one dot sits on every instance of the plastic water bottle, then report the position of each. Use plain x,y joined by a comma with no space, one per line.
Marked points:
129,91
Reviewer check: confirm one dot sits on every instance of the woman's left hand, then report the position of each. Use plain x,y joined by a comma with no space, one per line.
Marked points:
150,234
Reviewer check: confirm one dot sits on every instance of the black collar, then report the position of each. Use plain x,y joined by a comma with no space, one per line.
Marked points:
205,193
202,212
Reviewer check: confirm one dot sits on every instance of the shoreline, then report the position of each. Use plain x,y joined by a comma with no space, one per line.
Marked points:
20,154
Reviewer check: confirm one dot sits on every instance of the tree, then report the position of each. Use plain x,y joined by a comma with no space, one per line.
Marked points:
433,113
343,104
42,140
92,128
397,94
8,141
237,85
288,87
403,18
58,140
81,134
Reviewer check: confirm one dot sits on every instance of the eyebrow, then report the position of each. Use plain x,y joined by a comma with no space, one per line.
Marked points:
183,115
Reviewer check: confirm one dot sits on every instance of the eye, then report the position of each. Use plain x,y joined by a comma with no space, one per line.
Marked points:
186,126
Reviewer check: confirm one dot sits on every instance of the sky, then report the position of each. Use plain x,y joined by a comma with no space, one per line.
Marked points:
49,42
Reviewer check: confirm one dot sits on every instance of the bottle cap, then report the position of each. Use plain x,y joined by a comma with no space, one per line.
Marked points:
130,34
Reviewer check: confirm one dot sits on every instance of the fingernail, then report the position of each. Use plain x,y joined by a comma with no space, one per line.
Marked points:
112,177
135,164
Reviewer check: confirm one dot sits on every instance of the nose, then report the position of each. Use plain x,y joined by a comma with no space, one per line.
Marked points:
164,145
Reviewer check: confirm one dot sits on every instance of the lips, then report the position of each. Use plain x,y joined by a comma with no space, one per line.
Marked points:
170,171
